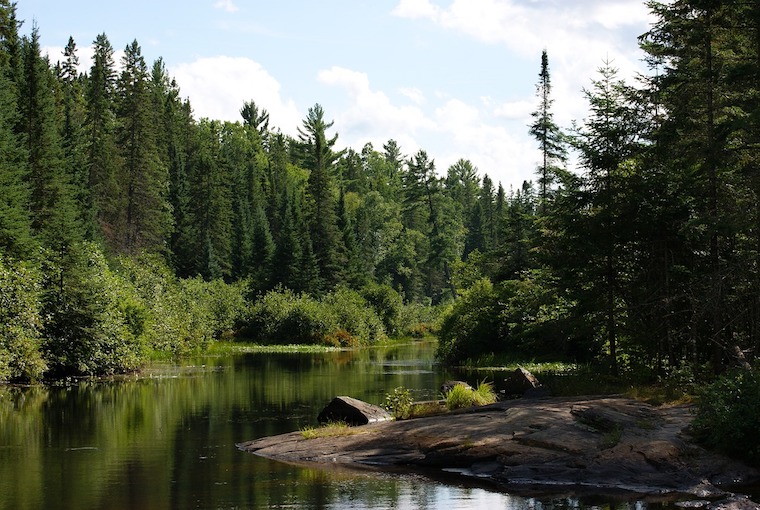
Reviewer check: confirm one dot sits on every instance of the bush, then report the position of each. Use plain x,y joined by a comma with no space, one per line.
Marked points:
174,315
387,304
89,329
728,416
471,327
343,318
20,323
355,316
399,403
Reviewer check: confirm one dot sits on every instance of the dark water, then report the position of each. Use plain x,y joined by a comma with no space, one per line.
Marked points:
166,439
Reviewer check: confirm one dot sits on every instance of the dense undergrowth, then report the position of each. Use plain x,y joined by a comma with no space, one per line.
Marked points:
101,317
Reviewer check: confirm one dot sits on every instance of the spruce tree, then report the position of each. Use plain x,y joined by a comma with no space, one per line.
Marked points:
144,178
319,158
547,133
103,158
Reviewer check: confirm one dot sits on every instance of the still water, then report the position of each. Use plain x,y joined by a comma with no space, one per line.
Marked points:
166,439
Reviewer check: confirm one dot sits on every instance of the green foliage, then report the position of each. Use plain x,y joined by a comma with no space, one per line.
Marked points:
399,403
175,315
87,332
728,415
484,394
472,326
522,317
341,318
387,304
354,315
462,396
20,323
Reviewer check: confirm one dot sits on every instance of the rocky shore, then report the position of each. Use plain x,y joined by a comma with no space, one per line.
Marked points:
604,445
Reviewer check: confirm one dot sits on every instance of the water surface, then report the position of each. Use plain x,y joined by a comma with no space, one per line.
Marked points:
165,439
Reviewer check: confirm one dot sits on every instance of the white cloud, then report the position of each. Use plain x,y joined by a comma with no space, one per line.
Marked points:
451,130
578,36
218,87
414,9
226,5
371,113
413,93
515,110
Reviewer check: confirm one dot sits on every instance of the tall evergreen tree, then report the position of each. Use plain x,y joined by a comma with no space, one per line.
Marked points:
607,142
548,134
103,159
147,216
319,158
15,224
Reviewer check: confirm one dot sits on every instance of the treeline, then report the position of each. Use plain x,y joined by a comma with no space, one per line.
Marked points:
649,257
104,168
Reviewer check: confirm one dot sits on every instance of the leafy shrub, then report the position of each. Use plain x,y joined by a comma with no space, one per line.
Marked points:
399,403
174,315
387,304
728,416
342,318
420,320
282,317
471,326
88,331
20,323
354,315
525,318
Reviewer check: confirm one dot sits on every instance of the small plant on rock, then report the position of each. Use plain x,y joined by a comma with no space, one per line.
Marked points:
399,403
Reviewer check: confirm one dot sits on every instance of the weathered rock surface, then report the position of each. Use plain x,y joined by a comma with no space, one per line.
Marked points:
595,445
352,411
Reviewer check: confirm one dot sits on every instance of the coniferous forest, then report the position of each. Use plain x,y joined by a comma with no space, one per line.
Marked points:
128,226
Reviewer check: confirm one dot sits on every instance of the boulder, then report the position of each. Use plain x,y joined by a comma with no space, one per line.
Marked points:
449,385
352,411
521,382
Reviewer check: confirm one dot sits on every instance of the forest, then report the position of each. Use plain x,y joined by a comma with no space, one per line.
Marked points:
128,226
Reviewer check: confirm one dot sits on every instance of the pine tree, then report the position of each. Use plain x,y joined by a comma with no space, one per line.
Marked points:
607,142
54,213
74,139
144,177
319,158
15,224
547,133
103,159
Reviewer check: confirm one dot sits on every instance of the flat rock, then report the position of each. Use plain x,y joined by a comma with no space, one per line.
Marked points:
596,445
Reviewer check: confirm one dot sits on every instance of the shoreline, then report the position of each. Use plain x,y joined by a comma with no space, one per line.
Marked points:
586,445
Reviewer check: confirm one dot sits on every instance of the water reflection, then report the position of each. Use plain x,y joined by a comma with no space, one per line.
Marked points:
166,439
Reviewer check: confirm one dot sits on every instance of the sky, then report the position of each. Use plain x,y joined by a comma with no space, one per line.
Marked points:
456,78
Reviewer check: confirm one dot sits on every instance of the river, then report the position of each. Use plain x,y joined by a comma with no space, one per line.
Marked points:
165,438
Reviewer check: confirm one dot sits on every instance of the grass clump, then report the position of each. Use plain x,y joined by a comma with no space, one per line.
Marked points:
462,396
331,429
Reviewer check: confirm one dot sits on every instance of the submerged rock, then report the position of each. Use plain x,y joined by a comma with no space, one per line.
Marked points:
352,411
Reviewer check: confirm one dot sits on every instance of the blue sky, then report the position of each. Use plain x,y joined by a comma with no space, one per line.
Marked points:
454,77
